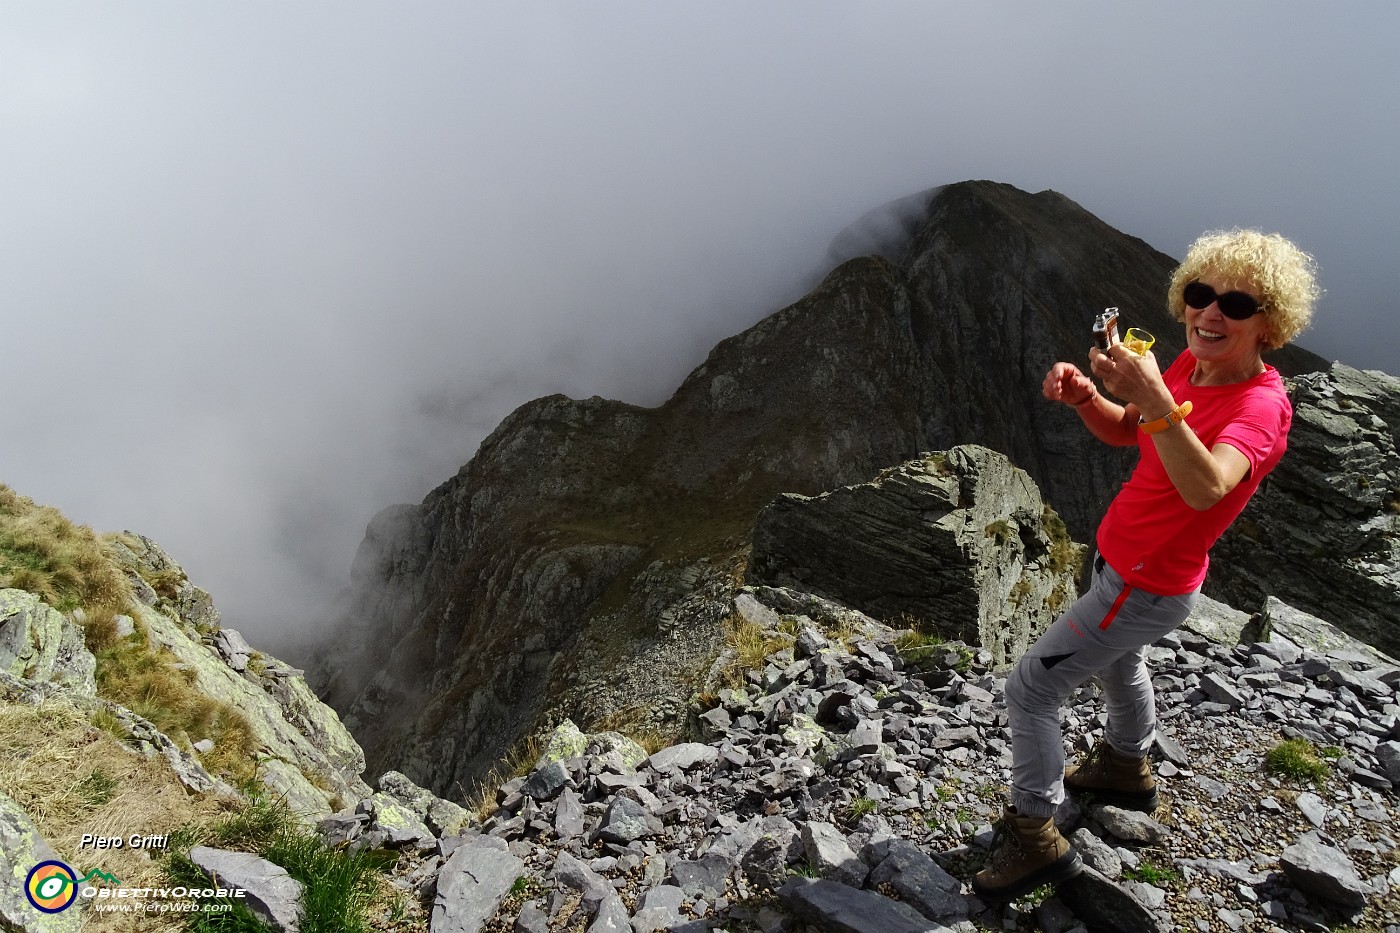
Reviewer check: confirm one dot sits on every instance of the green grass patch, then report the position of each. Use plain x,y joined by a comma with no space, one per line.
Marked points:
339,885
859,809
1153,874
97,788
1297,760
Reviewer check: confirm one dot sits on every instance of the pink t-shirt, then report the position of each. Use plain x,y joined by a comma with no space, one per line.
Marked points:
1150,535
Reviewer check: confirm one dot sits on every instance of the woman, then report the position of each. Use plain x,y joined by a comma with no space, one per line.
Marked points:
1209,430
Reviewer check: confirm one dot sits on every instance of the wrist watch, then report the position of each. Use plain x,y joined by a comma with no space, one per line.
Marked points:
1170,420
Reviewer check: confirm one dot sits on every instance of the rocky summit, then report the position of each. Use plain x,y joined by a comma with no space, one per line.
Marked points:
591,542
851,783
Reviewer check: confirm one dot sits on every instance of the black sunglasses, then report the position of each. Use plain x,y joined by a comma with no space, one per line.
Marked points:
1237,306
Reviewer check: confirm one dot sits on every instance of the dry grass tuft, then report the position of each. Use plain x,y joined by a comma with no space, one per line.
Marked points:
752,645
519,761
636,724
150,684
64,564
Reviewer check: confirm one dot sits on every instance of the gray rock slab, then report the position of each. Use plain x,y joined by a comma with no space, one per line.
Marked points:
948,536
472,884
1313,808
273,896
1215,621
532,919
568,815
1104,905
682,757
572,873
1310,632
1324,872
1388,754
919,881
626,820
1130,825
753,611
1097,854
706,876
830,855
837,908
658,909
546,781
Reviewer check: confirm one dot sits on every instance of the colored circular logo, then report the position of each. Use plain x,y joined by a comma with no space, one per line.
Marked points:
51,887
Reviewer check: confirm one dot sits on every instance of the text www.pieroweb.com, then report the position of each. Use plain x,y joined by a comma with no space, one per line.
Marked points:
151,907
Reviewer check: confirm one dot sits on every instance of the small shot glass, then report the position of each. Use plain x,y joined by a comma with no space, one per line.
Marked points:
1138,340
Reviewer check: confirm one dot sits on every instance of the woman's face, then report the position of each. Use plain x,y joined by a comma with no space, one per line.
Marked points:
1214,338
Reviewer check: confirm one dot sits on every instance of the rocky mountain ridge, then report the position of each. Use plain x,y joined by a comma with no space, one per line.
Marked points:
593,535
76,762
306,754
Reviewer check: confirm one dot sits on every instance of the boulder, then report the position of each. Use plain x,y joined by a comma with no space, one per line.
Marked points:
1325,872
37,642
273,896
472,884
22,848
443,817
960,543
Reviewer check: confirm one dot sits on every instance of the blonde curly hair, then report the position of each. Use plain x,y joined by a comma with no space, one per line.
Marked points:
1281,274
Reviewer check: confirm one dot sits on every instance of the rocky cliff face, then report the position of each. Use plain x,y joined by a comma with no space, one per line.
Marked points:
1323,532
592,535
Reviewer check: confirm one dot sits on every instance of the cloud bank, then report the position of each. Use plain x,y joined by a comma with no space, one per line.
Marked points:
267,268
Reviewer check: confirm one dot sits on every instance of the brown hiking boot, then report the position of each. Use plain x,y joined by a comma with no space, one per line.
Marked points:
1027,851
1114,779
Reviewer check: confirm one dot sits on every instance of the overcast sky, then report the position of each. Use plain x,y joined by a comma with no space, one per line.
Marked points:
266,268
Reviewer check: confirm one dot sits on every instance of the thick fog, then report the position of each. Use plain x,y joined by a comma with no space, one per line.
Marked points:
266,268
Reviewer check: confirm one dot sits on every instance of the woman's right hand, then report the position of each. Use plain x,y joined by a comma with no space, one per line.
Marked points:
1067,384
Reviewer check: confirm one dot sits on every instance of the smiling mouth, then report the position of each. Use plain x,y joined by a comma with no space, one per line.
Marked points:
1208,334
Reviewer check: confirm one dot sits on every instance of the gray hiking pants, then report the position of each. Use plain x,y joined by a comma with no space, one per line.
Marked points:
1106,633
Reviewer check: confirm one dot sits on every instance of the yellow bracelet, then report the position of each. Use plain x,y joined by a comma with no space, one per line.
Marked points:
1170,420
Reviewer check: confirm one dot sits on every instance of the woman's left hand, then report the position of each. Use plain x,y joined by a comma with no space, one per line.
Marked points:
1132,377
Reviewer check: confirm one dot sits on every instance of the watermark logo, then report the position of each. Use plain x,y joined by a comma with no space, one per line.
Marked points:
52,886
